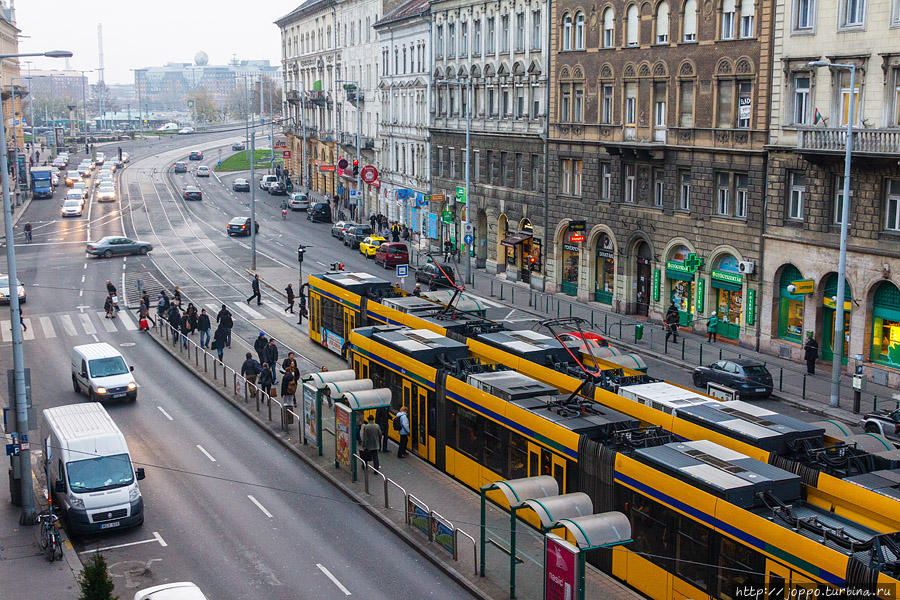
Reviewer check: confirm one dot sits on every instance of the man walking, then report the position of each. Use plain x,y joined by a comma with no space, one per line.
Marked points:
203,326
301,309
371,441
218,343
672,323
255,288
225,321
271,355
250,370
289,290
401,424
260,346
810,353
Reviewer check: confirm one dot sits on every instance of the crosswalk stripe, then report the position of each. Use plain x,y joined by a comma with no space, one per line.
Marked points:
68,325
86,323
127,321
47,326
248,310
27,331
6,330
108,324
213,307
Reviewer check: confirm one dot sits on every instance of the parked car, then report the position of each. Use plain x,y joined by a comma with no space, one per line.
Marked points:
357,234
430,273
340,228
370,244
202,171
181,590
192,192
237,146
240,226
4,290
266,180
240,185
749,377
276,188
181,167
319,213
195,155
117,246
391,254
299,201
885,422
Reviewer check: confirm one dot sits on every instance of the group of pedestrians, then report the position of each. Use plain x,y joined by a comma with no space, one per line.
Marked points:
373,434
111,304
392,230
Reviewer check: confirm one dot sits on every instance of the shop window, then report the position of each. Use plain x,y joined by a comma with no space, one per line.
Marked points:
790,309
682,288
571,255
886,325
726,279
605,275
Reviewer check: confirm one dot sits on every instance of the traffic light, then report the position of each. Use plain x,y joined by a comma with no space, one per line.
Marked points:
355,167
300,251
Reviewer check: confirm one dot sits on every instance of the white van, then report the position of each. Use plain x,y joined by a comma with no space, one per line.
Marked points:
182,590
100,371
89,469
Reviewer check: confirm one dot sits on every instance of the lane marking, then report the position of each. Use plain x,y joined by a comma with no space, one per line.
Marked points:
163,411
47,326
80,293
86,323
96,339
243,306
68,325
333,579
107,323
129,324
259,506
6,328
159,539
85,266
27,331
83,277
156,538
207,454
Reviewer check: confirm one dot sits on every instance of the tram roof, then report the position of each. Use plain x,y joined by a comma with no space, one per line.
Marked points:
531,345
600,421
423,345
358,283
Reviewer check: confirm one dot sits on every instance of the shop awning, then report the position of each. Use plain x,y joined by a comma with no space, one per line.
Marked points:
724,285
515,239
673,274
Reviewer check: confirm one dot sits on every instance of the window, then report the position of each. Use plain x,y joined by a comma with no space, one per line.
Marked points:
605,181
504,33
520,171
476,163
658,188
630,103
853,13
606,108
686,104
520,102
571,177
579,31
728,10
490,102
520,32
892,206
567,32
535,102
723,193
464,39
747,15
804,15
895,13
895,97
739,566
491,31
662,23
631,26
471,432
476,34
439,41
798,194
800,113
536,30
440,160
725,102
740,196
452,152
684,196
451,39
689,24
578,106
629,183
496,440
535,172
609,31
659,104
745,99
490,167
564,105
839,198
845,98
692,550
504,168
506,108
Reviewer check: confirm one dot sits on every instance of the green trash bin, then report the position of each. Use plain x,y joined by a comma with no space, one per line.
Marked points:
638,331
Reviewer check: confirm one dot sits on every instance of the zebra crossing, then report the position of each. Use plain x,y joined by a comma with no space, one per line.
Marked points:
70,324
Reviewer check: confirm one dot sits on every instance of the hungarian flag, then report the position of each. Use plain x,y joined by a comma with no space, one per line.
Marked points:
817,116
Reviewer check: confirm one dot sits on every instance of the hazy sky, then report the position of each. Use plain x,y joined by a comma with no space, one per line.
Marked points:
141,34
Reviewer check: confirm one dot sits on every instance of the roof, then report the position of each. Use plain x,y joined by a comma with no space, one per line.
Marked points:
300,10
407,10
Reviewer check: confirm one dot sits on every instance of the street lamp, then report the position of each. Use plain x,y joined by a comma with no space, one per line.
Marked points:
27,517
355,84
468,88
837,340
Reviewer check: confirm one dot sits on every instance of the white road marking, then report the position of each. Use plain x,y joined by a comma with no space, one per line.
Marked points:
85,266
47,326
68,325
96,339
6,328
107,323
80,293
259,506
248,310
83,277
27,331
163,411
333,579
213,307
156,538
126,321
86,323
208,455
159,539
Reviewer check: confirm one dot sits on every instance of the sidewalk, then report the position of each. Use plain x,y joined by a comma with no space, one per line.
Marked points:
458,504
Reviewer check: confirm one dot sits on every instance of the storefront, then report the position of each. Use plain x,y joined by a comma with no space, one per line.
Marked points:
682,289
520,246
828,314
570,259
604,270
886,325
790,306
726,279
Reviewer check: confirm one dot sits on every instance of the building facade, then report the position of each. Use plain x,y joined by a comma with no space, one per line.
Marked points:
68,85
405,86
166,87
657,143
810,111
490,64
13,85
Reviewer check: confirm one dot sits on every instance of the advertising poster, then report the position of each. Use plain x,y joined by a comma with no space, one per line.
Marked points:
432,226
333,341
443,535
560,569
309,414
342,435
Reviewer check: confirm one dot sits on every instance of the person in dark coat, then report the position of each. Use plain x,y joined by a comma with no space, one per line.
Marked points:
203,326
218,343
288,389
162,304
110,288
289,290
259,344
382,419
290,363
811,353
174,316
271,356
301,308
250,370
672,323
225,320
191,314
254,286
186,329
266,379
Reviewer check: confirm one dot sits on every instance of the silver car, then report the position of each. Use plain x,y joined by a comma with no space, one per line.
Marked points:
299,201
4,290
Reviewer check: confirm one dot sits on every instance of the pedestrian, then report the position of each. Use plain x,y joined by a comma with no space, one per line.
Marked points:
162,304
255,288
203,326
288,391
192,316
218,343
383,418
271,354
176,296
417,291
266,380
259,344
145,300
108,307
250,370
301,309
289,290
290,363
370,433
110,288
372,222
711,326
186,329
27,233
395,232
22,319
401,424
671,321
144,319
225,320
448,250
811,352
174,316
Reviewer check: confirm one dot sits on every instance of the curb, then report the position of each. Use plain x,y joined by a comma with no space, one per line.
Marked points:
330,478
25,206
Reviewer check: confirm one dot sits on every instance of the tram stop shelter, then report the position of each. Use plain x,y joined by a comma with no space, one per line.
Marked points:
315,387
346,422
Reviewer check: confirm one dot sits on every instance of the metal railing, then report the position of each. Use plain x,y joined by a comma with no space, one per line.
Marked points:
834,139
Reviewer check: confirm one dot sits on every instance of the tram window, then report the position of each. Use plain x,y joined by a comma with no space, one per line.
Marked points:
432,414
547,463
357,368
693,552
558,475
777,585
571,477
518,455
333,317
495,443
651,528
365,371
450,418
533,464
406,398
470,426
740,567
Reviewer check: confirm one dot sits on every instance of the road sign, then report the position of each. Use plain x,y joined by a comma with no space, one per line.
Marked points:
467,227
286,154
437,198
577,225
402,270
353,193
447,217
804,286
369,174
461,194
340,189
576,237
468,239
342,164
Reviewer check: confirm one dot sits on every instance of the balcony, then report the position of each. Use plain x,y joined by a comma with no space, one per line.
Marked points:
833,140
649,137
292,96
355,96
318,97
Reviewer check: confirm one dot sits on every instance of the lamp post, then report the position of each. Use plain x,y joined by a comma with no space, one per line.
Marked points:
468,89
24,458
837,340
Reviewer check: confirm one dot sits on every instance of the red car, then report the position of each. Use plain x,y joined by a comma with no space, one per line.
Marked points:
390,254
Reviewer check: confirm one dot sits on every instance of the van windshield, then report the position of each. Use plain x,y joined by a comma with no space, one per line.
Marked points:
106,367
101,473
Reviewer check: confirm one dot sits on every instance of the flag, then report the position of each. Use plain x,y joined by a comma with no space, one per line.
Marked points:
817,116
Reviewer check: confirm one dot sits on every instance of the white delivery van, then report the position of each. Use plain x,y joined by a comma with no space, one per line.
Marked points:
100,371
89,469
182,590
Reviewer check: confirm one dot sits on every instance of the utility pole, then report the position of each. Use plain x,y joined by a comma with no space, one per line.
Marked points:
468,220
303,129
271,124
359,202
247,113
253,194
84,103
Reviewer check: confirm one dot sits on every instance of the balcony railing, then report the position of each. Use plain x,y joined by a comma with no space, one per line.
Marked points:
743,139
293,96
834,139
318,97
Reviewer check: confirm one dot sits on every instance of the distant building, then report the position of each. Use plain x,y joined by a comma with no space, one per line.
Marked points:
70,85
9,71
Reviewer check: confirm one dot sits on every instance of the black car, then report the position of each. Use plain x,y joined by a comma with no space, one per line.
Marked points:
430,272
195,155
192,192
240,226
320,212
276,188
354,235
237,146
749,377
241,185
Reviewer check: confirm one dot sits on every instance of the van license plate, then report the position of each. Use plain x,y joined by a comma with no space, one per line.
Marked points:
109,525
760,389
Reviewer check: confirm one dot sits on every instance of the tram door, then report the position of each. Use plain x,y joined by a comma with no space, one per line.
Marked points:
349,325
422,421
543,462
778,579
411,404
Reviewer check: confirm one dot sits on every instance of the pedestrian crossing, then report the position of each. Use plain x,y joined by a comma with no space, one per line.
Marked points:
71,324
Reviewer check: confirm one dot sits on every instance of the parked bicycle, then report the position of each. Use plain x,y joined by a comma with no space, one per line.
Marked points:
51,542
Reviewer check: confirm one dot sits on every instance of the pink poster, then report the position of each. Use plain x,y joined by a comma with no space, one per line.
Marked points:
560,570
342,434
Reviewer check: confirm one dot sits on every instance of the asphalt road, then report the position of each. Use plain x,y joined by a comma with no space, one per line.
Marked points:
226,507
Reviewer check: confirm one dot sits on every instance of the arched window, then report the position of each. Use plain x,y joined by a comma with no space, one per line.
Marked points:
579,31
790,308
662,23
632,24
609,23
567,32
689,22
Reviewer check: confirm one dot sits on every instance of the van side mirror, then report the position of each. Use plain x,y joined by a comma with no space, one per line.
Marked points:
140,473
131,368
59,487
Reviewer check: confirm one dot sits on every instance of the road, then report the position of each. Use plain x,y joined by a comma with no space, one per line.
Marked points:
226,507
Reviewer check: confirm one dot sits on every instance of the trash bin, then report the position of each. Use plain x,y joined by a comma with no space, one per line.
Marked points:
638,331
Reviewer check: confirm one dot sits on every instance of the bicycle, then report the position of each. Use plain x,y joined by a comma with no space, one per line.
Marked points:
51,542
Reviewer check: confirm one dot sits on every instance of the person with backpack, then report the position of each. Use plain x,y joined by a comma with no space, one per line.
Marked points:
401,424
382,418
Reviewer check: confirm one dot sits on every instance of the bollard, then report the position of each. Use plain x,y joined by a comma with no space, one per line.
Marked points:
530,297
557,308
269,404
592,319
570,310
780,378
512,295
666,345
651,338
492,288
875,403
803,395
605,323
701,353
234,382
720,354
215,370
682,347
501,290
205,368
197,355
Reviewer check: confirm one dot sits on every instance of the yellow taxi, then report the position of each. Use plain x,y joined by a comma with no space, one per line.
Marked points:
369,245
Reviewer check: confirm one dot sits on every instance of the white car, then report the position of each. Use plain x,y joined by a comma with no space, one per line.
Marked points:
4,290
299,201
168,127
80,186
266,180
202,171
101,158
106,193
126,157
185,130
72,208
182,590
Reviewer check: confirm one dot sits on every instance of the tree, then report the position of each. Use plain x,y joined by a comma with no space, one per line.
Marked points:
95,581
100,92
271,96
203,109
50,108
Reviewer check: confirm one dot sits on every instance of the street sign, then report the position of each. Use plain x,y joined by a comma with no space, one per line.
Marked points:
369,174
467,227
468,239
353,193
461,194
437,198
402,270
286,154
576,237
340,189
804,286
342,164
447,217
577,225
